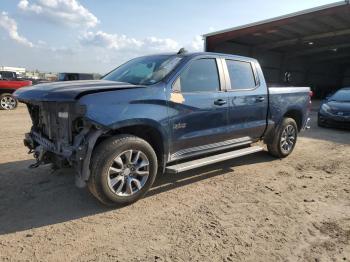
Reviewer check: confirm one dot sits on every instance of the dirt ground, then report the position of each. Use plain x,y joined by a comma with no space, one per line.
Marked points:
255,208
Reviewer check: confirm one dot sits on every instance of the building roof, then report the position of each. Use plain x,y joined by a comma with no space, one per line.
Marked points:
322,30
303,12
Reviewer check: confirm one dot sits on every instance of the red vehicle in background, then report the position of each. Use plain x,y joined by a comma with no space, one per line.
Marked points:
9,83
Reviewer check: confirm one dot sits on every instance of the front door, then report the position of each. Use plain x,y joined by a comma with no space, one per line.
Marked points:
199,108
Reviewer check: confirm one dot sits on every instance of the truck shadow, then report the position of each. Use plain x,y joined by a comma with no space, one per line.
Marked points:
33,198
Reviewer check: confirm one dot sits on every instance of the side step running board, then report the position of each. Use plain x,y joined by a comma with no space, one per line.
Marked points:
178,168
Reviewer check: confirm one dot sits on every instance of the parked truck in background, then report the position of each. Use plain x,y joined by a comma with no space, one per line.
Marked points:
161,113
9,83
74,76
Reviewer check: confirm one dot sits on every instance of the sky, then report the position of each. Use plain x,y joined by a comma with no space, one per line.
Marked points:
97,36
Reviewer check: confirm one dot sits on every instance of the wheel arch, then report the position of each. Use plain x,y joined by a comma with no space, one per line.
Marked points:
296,115
7,91
145,129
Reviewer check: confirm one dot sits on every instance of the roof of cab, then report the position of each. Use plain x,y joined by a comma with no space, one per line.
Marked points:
237,57
194,54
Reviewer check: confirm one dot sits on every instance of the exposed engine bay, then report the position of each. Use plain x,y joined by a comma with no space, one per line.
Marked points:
61,136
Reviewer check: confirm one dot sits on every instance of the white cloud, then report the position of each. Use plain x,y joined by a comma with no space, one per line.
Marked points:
41,43
110,41
104,44
68,12
159,44
211,29
24,5
125,43
10,26
197,44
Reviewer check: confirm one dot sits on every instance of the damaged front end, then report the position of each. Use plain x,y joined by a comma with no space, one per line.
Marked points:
61,136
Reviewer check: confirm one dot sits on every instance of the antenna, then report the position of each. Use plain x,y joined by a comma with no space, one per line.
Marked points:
182,51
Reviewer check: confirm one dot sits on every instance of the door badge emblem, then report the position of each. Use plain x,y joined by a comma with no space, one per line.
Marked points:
180,126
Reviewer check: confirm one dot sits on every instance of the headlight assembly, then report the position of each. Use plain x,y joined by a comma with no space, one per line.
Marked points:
326,108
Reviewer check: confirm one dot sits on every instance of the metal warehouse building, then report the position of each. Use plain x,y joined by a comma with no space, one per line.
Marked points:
313,45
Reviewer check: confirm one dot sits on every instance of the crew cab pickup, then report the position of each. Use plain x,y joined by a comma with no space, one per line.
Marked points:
9,83
160,113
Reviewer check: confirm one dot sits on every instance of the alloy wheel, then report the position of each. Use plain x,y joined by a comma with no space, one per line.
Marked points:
288,138
8,102
128,173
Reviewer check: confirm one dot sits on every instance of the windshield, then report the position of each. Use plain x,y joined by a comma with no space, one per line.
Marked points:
144,70
341,95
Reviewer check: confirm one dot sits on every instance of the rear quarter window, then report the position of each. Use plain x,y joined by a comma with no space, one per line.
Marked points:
241,75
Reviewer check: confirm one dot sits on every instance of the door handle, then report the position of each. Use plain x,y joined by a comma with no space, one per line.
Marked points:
260,99
220,102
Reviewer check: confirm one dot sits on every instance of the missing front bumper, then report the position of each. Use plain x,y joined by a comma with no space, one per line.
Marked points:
77,155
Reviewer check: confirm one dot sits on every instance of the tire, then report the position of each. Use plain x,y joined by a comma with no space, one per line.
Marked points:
116,165
8,102
285,139
319,123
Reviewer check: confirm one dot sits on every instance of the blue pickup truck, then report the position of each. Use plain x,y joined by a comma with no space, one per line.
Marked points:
160,113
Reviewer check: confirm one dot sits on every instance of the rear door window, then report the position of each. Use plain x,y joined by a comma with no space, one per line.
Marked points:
241,74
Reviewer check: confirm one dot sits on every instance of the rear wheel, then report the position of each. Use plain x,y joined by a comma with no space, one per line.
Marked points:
8,102
123,169
285,139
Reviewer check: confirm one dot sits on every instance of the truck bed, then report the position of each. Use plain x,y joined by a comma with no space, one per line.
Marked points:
14,84
289,99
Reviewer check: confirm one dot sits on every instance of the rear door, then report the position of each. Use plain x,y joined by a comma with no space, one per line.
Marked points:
199,108
248,100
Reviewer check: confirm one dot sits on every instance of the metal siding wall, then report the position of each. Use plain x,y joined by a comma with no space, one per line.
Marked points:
323,78
233,48
346,77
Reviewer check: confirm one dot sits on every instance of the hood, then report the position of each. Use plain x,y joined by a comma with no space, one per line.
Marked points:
339,106
68,90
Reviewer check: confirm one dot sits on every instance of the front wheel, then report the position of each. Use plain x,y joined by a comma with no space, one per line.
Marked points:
285,139
320,123
123,169
8,102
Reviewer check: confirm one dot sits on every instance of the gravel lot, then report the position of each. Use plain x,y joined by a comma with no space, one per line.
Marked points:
255,208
